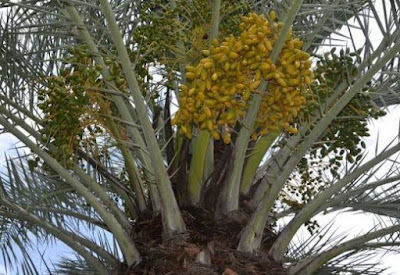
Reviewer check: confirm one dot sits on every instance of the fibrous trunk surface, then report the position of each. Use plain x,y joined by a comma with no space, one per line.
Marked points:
208,247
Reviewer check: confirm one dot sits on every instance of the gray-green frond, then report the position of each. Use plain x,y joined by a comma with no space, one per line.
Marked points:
354,262
54,202
15,245
76,266
102,193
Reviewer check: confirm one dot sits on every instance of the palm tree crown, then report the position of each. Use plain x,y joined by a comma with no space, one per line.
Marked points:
177,134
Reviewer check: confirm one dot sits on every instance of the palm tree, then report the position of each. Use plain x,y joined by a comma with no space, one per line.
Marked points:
269,124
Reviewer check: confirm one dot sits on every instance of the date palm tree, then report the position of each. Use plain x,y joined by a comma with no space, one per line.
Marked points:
203,119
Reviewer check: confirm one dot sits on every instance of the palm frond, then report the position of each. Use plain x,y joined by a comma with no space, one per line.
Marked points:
94,194
354,262
68,266
55,203
15,245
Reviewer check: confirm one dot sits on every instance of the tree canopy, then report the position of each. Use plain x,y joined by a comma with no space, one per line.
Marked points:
177,134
